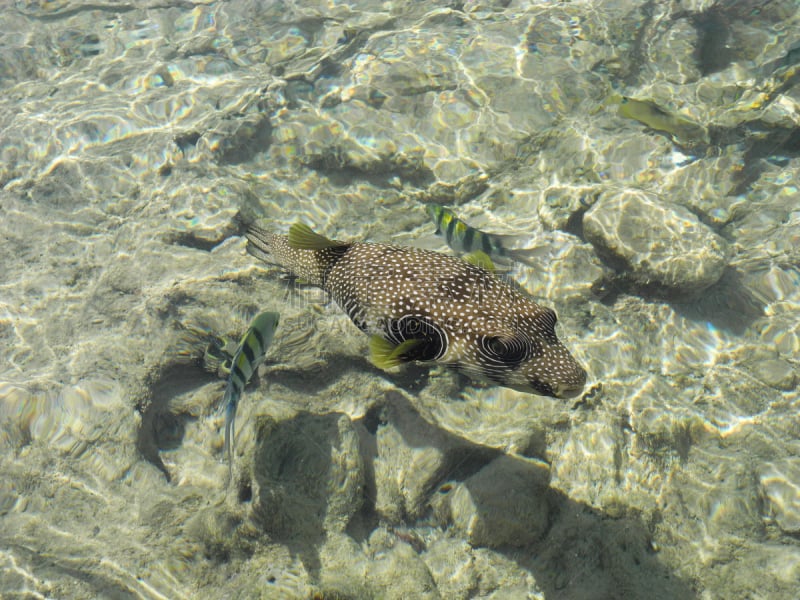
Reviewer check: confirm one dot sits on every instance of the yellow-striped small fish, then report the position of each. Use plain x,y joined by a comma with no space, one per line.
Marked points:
465,239
250,353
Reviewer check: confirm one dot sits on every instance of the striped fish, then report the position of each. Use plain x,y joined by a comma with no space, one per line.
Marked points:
249,355
465,239
419,305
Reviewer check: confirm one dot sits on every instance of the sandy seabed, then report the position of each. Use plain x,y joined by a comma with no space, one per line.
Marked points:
646,154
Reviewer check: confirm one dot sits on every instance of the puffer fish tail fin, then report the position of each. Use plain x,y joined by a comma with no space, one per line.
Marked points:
303,253
260,240
256,250
385,355
302,237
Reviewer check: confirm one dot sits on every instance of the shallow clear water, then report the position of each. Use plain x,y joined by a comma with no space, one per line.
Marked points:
646,156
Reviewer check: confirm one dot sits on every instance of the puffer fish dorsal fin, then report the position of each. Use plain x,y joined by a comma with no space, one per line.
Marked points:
479,258
302,237
385,355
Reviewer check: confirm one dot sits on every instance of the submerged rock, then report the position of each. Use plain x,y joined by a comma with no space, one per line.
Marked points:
780,487
398,571
775,372
461,571
383,568
308,475
657,243
560,203
503,504
412,457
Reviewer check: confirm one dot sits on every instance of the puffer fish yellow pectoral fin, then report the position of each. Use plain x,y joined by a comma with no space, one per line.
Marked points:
479,258
302,237
385,355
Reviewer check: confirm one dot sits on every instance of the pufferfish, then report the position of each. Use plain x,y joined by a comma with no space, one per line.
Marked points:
420,305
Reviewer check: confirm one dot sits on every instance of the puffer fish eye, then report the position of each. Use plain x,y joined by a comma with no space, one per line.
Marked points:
508,350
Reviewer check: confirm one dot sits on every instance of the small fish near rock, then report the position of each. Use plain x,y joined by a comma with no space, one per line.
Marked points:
249,355
420,305
465,239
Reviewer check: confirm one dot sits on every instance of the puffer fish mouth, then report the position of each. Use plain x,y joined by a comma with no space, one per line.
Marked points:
562,391
567,391
565,388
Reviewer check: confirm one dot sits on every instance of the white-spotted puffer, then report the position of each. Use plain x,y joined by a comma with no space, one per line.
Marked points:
427,306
